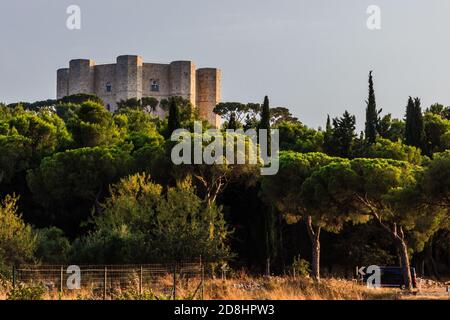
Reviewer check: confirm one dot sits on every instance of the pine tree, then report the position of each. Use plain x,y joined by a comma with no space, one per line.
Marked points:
371,114
174,117
414,127
344,134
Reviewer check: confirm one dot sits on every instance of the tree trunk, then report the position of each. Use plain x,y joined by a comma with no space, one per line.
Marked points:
399,239
314,235
315,267
405,263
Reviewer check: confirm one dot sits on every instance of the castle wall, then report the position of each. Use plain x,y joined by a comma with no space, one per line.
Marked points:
62,83
129,78
81,76
182,80
105,75
209,94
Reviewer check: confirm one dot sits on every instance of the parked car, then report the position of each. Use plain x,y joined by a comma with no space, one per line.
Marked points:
390,276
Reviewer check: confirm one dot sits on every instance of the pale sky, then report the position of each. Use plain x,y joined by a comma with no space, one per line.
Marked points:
311,56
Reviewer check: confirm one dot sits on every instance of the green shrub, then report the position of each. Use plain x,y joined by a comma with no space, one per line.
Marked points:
24,291
301,267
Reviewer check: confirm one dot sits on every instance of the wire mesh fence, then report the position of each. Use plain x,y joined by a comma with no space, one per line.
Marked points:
151,281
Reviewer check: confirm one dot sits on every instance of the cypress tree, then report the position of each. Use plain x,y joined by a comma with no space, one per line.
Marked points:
264,122
414,126
174,117
232,124
328,144
371,114
265,115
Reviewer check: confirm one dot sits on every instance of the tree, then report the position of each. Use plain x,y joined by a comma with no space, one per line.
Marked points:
228,109
52,247
174,117
414,127
68,184
92,125
326,204
386,149
280,114
440,110
284,189
435,127
232,124
295,136
344,134
264,124
435,182
142,223
371,114
265,115
386,190
17,241
328,144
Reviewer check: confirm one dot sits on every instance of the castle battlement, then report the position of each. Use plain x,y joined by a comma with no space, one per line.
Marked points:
130,77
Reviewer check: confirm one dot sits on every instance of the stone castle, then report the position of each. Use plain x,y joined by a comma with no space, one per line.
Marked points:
130,77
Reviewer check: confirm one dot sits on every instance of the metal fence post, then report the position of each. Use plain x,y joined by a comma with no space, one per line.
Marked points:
14,270
175,282
105,283
61,280
140,281
202,292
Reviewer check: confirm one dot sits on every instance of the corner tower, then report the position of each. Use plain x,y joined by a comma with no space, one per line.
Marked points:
209,94
128,77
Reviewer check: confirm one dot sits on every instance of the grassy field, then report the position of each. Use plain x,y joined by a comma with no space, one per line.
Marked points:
261,288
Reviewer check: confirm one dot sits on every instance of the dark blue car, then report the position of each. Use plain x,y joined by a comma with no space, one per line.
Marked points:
390,276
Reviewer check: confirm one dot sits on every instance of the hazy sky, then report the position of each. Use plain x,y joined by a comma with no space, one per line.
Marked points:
311,56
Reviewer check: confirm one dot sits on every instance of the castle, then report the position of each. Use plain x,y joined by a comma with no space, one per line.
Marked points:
130,77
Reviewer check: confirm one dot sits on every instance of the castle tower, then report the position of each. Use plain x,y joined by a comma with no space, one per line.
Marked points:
81,76
128,78
182,80
209,94
62,83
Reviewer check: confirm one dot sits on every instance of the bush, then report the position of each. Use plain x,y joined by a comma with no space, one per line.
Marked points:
17,241
133,294
301,267
24,291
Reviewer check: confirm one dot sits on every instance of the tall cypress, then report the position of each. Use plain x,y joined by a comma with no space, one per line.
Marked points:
232,124
328,143
371,114
414,126
265,114
264,122
174,117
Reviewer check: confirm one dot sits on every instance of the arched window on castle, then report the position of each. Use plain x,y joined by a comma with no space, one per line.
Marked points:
154,85
108,87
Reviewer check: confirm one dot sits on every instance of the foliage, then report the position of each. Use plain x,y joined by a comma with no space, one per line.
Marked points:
27,292
17,241
52,246
301,267
414,126
140,223
371,114
386,149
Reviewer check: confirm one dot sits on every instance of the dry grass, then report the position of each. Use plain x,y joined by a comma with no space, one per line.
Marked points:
286,288
244,287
